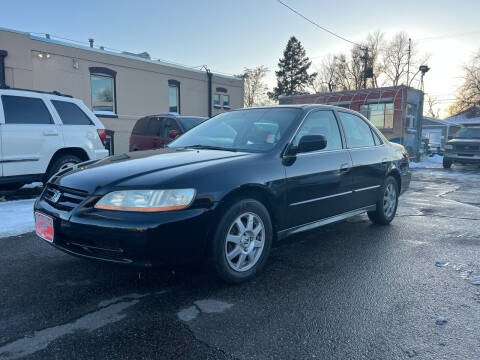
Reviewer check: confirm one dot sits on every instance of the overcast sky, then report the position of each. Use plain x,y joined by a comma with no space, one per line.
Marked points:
229,35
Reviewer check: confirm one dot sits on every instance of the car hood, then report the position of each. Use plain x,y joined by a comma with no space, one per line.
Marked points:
115,170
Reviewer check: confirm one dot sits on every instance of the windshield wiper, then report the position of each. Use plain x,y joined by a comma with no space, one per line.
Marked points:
210,147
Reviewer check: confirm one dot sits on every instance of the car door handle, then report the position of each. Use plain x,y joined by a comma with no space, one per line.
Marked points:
50,132
344,167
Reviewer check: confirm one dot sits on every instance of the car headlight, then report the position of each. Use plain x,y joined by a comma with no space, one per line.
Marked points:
448,147
147,200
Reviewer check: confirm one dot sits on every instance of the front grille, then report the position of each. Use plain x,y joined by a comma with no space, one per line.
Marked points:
467,147
62,198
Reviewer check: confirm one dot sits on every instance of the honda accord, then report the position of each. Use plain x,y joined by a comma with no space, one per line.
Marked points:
226,190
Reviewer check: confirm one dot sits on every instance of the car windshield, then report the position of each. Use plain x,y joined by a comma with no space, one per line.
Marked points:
255,130
468,133
190,122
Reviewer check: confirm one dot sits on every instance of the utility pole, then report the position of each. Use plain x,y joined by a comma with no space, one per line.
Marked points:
365,61
408,61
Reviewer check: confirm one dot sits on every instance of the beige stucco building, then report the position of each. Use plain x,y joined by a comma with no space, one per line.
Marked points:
120,88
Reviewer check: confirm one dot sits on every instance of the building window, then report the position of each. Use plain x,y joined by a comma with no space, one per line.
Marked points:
381,115
216,101
102,82
226,101
174,96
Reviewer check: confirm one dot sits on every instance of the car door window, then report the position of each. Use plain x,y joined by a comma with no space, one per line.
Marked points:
25,110
70,113
321,123
155,126
357,131
170,124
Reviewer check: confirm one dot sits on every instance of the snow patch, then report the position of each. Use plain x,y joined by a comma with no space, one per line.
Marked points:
16,217
32,185
429,162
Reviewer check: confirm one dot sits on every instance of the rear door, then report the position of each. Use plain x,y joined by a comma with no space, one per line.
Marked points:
318,182
30,135
137,139
369,159
78,129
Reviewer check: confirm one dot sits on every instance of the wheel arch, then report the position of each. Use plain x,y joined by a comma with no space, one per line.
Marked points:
395,173
261,193
76,151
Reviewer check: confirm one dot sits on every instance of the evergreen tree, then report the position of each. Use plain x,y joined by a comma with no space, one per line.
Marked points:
292,76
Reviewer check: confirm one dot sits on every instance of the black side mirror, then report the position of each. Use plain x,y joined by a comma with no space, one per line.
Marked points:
311,143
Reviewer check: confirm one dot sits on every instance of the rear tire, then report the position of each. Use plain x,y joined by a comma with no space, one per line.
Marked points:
242,241
387,203
447,163
61,163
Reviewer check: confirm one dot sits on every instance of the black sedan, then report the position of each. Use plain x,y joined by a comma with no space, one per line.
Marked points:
226,190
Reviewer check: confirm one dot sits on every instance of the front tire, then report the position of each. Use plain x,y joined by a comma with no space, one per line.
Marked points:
387,203
447,163
61,163
242,241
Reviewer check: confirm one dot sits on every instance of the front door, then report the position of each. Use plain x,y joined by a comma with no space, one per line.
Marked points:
30,136
319,182
368,157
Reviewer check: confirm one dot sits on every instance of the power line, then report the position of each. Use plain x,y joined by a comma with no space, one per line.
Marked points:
317,25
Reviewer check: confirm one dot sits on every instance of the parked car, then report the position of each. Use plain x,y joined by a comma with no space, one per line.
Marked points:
225,190
464,148
43,133
156,131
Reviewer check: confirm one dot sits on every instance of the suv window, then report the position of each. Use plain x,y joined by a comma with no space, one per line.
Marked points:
170,124
140,127
321,123
155,126
70,113
357,131
25,110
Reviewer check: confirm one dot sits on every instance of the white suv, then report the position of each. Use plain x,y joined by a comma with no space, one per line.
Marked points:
43,133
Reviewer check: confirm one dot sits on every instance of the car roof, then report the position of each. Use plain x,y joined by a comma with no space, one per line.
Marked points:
178,116
301,106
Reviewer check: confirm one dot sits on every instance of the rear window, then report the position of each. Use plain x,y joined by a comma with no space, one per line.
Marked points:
25,110
140,127
70,113
190,122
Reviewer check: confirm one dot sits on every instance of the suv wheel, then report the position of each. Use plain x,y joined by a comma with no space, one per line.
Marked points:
386,204
61,163
242,241
447,163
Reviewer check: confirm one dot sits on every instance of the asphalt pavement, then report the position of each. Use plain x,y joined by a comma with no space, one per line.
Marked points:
349,290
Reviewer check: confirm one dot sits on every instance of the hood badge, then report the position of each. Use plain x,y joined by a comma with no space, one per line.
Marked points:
55,196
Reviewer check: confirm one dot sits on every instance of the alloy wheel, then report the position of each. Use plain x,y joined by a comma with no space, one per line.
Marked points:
389,200
245,241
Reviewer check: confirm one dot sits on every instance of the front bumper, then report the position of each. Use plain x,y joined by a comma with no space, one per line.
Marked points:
463,158
139,239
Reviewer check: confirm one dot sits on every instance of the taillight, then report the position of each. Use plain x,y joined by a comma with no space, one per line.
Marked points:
102,135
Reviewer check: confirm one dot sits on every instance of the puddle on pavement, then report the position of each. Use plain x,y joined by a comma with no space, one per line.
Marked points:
207,306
